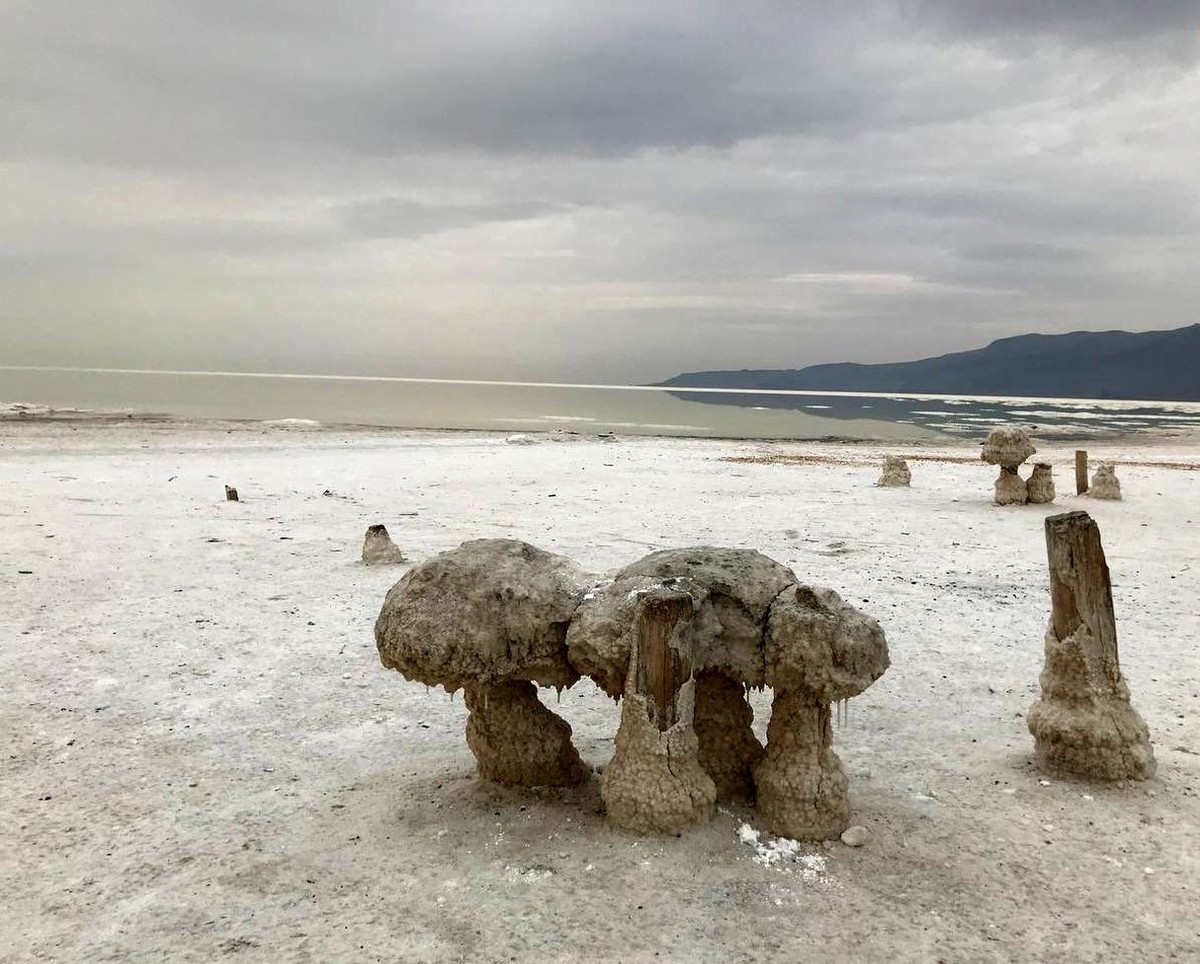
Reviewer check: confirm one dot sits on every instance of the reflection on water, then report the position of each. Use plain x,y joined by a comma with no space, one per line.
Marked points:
1051,419
585,409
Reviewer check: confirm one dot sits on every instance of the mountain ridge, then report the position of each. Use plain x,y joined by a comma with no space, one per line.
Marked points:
1159,365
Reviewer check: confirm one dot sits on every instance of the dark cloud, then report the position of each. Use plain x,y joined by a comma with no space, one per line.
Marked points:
1171,23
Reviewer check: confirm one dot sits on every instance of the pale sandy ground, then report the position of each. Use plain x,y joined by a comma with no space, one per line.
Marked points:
202,758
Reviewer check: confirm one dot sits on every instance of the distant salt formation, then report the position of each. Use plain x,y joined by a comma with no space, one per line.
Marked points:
1040,487
895,472
1105,484
378,548
1008,446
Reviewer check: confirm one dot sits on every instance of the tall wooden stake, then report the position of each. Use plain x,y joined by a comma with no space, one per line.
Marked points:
1080,589
1081,473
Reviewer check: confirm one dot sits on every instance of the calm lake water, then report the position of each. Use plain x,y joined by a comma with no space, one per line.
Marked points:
518,407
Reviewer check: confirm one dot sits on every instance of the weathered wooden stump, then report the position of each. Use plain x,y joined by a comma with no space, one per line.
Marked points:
231,494
654,782
1081,471
1084,724
662,669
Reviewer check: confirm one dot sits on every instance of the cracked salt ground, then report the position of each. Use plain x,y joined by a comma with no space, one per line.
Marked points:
782,853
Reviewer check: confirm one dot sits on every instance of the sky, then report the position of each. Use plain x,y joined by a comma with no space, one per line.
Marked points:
601,192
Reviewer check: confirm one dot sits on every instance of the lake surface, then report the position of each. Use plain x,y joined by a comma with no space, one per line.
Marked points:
587,409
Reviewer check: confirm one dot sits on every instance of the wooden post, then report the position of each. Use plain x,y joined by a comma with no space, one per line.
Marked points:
1080,590
661,668
230,494
1081,471
1084,724
654,782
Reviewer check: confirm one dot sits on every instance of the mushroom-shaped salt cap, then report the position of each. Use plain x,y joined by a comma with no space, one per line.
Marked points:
1007,446
817,642
491,616
731,591
819,650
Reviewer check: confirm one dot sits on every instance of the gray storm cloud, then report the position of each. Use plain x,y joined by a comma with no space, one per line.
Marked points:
609,192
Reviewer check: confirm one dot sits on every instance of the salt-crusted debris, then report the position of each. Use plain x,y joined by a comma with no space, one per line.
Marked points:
1040,487
1105,484
378,548
895,472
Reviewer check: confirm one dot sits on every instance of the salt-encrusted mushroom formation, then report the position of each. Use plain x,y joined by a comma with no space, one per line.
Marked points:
491,617
819,650
751,625
679,636
895,472
1105,484
1008,446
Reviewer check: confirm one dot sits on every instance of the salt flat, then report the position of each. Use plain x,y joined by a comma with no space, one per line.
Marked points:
203,757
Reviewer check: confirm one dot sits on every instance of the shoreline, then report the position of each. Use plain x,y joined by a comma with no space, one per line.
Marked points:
19,413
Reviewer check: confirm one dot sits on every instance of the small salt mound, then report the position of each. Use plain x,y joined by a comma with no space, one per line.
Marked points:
520,440
782,851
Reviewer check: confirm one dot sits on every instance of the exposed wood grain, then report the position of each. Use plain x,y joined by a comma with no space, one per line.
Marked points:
661,668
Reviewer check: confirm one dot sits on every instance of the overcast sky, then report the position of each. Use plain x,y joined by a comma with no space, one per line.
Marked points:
588,191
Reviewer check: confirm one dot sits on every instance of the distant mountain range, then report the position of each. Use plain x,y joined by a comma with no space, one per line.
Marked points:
1150,365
